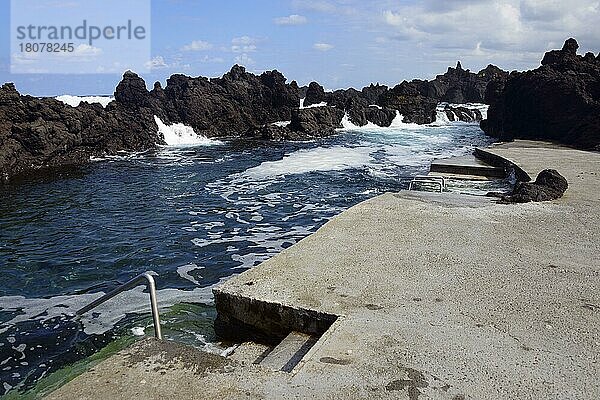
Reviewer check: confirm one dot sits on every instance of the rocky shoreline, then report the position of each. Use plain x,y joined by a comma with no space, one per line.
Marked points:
43,132
559,101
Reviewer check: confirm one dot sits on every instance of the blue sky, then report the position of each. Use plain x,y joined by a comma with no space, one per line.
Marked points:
337,43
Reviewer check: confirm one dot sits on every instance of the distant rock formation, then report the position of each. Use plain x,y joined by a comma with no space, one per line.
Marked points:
559,101
415,100
43,132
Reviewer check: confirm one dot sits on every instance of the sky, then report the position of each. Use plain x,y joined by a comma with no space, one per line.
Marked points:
339,43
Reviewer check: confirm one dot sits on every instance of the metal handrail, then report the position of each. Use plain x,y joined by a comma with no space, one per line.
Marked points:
146,276
432,178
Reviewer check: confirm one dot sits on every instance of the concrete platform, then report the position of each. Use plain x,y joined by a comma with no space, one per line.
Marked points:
467,165
436,296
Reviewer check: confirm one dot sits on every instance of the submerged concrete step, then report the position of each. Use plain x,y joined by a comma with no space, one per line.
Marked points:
250,353
287,354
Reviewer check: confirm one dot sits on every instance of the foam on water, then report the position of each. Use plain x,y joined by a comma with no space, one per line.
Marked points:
334,158
183,135
74,101
321,104
442,118
396,125
105,316
281,123
184,272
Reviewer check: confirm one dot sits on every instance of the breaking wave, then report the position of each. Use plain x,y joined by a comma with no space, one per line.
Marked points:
183,135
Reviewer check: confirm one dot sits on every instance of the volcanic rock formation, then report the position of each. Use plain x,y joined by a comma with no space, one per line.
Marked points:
559,101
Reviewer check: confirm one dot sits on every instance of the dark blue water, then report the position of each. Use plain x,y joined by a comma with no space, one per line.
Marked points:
194,215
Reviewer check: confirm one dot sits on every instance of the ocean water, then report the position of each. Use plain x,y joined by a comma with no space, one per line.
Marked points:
196,212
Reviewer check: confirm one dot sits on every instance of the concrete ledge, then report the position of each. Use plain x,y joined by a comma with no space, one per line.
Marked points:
467,166
501,162
242,318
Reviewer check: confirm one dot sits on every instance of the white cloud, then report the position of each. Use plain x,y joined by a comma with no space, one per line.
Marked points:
244,44
209,59
293,19
322,46
157,62
344,7
197,45
393,19
244,40
508,26
85,50
250,48
244,59
25,58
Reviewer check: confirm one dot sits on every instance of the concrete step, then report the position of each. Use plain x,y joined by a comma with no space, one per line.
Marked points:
468,165
287,354
250,353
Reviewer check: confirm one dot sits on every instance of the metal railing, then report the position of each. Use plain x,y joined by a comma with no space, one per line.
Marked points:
146,276
435,180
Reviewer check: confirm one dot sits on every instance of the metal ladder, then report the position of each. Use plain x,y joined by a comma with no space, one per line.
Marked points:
149,279
436,180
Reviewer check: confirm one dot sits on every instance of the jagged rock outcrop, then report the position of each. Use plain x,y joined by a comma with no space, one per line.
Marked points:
559,101
37,133
306,123
44,132
462,86
315,94
414,106
317,121
549,185
229,105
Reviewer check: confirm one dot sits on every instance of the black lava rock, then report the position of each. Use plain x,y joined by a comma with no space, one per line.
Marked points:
549,185
559,101
315,94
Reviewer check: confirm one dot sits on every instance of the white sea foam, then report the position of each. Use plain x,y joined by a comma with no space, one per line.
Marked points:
281,123
396,125
138,331
335,158
184,272
104,317
183,135
272,241
442,119
321,104
347,124
74,101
